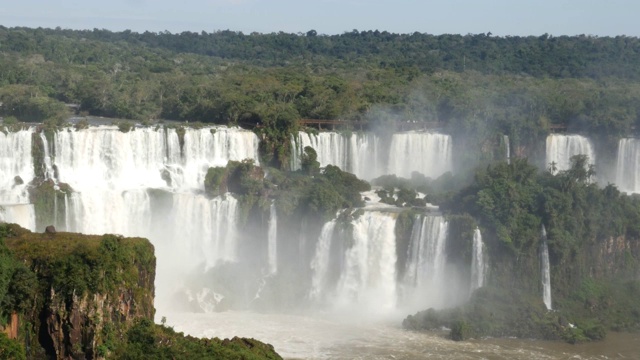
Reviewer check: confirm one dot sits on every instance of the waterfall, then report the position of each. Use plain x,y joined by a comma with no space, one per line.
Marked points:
272,251
205,148
425,152
15,161
368,277
628,165
364,155
560,149
321,261
477,261
48,167
505,138
545,271
426,259
358,153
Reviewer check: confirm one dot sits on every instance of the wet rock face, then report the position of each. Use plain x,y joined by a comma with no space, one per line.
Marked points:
18,180
50,229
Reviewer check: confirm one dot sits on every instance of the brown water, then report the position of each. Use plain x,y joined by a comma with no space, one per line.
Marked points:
328,337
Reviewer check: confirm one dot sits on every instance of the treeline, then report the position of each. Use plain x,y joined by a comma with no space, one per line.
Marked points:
539,56
474,84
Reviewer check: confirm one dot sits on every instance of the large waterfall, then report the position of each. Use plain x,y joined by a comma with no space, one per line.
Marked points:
628,165
367,156
366,273
424,276
145,182
560,149
545,269
478,269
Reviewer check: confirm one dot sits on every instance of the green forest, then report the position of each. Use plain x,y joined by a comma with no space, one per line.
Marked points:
467,83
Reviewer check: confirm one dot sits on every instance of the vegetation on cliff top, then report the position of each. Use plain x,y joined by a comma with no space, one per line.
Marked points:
146,340
55,281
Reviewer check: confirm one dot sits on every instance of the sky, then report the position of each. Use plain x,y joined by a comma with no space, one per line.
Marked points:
499,17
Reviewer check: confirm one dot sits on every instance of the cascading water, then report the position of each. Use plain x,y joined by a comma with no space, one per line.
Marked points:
424,152
321,261
545,269
478,270
358,153
15,161
141,183
426,259
505,138
364,154
368,277
16,172
628,165
560,149
272,250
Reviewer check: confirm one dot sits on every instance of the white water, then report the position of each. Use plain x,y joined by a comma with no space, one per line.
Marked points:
505,138
321,261
560,149
272,250
478,269
367,282
426,259
365,155
112,173
545,270
628,165
358,153
15,160
425,152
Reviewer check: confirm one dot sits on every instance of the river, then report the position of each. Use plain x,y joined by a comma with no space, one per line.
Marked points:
330,336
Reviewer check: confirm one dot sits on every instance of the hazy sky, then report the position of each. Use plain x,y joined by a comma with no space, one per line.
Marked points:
500,17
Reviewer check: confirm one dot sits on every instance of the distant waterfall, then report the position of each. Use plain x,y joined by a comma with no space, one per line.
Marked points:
425,152
628,165
545,271
426,260
272,251
505,138
358,153
560,149
204,148
365,155
478,270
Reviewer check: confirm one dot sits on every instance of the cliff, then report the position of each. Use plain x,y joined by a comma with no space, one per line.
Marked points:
83,291
73,296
